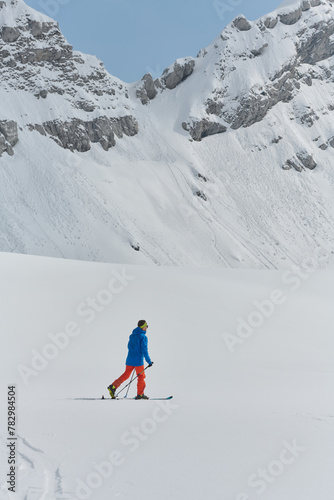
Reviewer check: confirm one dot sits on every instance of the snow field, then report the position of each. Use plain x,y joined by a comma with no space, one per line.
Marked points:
244,423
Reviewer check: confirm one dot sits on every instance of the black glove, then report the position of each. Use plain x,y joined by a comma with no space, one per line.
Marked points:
151,364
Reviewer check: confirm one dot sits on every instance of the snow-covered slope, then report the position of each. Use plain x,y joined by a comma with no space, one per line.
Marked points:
241,402
226,159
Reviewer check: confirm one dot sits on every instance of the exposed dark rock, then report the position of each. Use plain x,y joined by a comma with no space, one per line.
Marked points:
148,90
308,80
259,51
39,129
306,5
43,94
172,78
294,164
77,135
3,145
319,45
157,83
270,22
331,142
291,17
307,160
276,140
71,135
254,106
313,45
89,107
42,44
242,24
40,60
214,107
202,177
9,129
125,124
101,130
37,28
11,63
10,35
201,195
8,136
199,130
252,109
309,118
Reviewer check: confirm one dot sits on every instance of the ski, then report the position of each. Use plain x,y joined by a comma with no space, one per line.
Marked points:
131,399
120,399
149,399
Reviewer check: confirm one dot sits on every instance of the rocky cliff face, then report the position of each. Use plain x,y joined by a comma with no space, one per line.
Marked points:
299,34
35,58
8,136
300,37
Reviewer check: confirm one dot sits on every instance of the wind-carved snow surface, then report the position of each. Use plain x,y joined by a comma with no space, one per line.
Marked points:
225,160
247,356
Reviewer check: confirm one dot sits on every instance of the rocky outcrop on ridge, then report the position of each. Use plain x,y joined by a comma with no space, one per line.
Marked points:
35,58
234,107
147,89
77,135
174,75
300,162
204,128
8,136
170,79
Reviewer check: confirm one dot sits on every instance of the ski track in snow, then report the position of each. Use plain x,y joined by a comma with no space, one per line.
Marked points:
328,419
275,386
38,477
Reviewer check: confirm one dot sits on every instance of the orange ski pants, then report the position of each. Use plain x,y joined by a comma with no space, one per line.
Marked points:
141,378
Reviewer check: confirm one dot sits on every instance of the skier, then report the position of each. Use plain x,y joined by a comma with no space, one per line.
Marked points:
138,350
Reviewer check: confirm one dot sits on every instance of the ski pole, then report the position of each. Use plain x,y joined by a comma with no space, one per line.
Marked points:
132,374
131,381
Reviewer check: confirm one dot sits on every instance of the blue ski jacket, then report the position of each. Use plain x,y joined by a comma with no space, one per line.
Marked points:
138,348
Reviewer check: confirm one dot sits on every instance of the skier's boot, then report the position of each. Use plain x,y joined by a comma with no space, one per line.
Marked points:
112,390
141,396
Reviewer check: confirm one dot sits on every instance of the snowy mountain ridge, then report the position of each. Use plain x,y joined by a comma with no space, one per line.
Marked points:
37,60
94,168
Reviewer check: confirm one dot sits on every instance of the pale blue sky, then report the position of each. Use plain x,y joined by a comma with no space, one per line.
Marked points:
133,37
